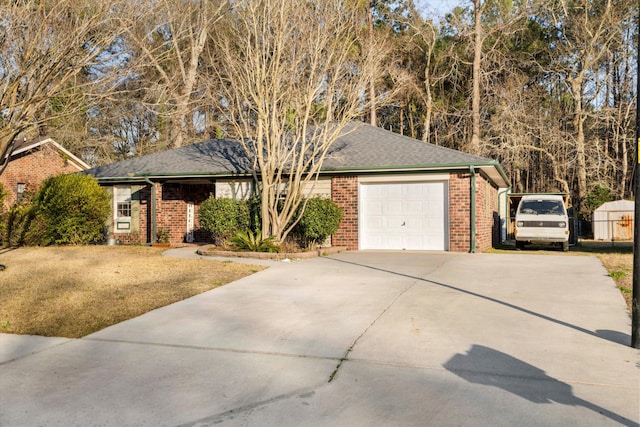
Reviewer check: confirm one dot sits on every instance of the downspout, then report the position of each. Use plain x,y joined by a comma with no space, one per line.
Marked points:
506,220
473,208
153,209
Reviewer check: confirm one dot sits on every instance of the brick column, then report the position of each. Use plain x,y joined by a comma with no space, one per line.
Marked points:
344,192
459,212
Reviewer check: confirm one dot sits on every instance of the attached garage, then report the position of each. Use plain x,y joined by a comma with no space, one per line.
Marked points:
404,215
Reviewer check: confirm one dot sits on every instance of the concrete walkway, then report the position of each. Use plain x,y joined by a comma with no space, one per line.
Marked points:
356,339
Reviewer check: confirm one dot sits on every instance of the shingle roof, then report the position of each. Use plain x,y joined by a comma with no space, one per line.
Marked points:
215,157
361,147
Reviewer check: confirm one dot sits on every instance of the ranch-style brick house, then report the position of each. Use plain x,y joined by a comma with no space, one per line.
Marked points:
33,161
396,193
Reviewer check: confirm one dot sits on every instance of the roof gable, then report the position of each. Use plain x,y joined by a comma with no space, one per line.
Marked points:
24,146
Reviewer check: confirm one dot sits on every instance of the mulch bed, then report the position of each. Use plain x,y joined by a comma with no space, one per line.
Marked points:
211,250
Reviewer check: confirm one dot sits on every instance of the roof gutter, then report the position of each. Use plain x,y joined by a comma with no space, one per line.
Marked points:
473,208
200,175
502,228
391,168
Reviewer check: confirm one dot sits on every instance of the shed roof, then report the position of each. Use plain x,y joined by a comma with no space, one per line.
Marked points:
617,206
361,147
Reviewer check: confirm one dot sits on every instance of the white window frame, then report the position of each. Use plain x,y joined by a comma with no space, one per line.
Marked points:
121,206
22,187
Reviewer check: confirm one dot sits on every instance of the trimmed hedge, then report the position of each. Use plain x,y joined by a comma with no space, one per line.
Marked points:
320,219
224,217
69,209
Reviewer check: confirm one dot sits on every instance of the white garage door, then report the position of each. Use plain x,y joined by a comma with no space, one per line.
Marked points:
397,216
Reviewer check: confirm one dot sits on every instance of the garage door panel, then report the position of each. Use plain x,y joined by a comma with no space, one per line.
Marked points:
414,207
414,225
376,224
414,243
410,216
393,223
374,207
435,210
393,191
375,240
394,242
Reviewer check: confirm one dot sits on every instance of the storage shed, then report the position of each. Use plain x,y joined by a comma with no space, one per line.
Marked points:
614,221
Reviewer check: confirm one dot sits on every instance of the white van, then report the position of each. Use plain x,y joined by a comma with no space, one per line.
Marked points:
542,219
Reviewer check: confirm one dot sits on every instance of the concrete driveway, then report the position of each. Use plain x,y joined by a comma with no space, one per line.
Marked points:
356,339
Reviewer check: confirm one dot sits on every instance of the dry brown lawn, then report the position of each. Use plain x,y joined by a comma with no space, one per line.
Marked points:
76,290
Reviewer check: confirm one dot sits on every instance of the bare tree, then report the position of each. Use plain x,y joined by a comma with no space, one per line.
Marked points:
478,41
168,38
48,49
422,37
292,76
586,29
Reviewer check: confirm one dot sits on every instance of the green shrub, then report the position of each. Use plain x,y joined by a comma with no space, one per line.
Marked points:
224,217
247,241
255,213
320,219
3,214
17,221
597,194
70,209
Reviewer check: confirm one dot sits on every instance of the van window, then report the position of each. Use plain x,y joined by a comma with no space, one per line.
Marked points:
542,207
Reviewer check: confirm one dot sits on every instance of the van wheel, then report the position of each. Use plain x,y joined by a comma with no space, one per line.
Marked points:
519,245
565,246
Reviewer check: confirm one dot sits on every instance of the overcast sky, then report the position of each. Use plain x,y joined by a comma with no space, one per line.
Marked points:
439,7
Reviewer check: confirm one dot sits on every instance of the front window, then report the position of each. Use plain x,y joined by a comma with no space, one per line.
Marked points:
21,189
542,207
122,208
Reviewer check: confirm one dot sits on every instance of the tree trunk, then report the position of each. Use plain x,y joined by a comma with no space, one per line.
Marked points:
427,87
581,158
372,82
475,91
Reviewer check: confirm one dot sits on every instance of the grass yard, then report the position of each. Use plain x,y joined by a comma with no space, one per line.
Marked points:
76,290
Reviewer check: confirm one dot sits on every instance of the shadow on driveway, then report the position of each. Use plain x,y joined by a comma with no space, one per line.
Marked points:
479,364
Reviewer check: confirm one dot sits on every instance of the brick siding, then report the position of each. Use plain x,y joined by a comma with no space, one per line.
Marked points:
171,212
171,209
31,168
344,192
460,213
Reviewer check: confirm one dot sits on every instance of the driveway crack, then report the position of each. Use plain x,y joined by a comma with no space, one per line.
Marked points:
345,356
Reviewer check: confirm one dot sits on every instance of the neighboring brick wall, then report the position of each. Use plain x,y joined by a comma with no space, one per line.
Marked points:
344,192
31,168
